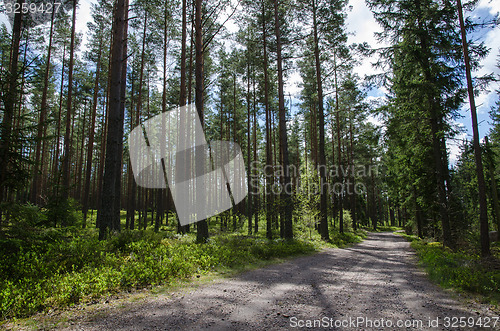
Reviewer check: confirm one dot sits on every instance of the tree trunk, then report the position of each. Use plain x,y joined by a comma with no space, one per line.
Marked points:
286,190
121,119
90,146
69,106
323,223
182,94
137,122
494,189
131,185
107,213
9,104
40,152
249,200
339,157
79,164
269,175
483,209
55,168
353,192
161,192
202,226
190,76
255,189
418,214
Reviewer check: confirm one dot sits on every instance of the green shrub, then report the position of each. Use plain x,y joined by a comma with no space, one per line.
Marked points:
459,270
45,267
64,212
71,269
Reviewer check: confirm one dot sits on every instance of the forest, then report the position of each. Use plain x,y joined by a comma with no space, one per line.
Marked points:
323,166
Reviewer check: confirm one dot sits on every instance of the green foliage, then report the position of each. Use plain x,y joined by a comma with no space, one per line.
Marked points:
22,216
64,212
343,239
463,271
347,220
306,204
426,90
49,268
74,268
410,237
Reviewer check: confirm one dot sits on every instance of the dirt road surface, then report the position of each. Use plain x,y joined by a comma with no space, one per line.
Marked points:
374,285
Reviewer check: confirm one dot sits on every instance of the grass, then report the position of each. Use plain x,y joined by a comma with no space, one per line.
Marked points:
49,269
463,271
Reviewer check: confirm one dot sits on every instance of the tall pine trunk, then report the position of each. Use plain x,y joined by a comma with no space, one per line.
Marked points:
69,106
182,94
286,189
41,130
483,209
249,201
9,104
202,226
339,150
90,146
323,222
269,161
106,213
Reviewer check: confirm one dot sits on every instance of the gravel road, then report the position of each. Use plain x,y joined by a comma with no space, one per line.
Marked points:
374,285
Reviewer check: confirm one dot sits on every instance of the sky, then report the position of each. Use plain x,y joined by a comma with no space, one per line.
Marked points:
361,27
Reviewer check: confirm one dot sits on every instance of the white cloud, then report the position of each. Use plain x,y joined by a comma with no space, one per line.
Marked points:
84,15
375,120
454,148
362,27
292,84
489,65
4,20
492,5
487,99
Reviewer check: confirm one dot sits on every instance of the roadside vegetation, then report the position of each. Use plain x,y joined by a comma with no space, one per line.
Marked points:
52,268
463,270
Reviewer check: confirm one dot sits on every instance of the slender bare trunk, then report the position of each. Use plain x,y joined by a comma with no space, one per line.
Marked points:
40,144
90,146
323,225
483,209
287,194
202,226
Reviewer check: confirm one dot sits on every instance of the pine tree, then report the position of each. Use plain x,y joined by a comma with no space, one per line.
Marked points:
424,46
107,216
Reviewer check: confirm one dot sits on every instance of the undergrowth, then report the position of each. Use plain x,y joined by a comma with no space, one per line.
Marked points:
461,270
52,268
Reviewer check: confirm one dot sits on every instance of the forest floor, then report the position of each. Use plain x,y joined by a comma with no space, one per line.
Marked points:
372,285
